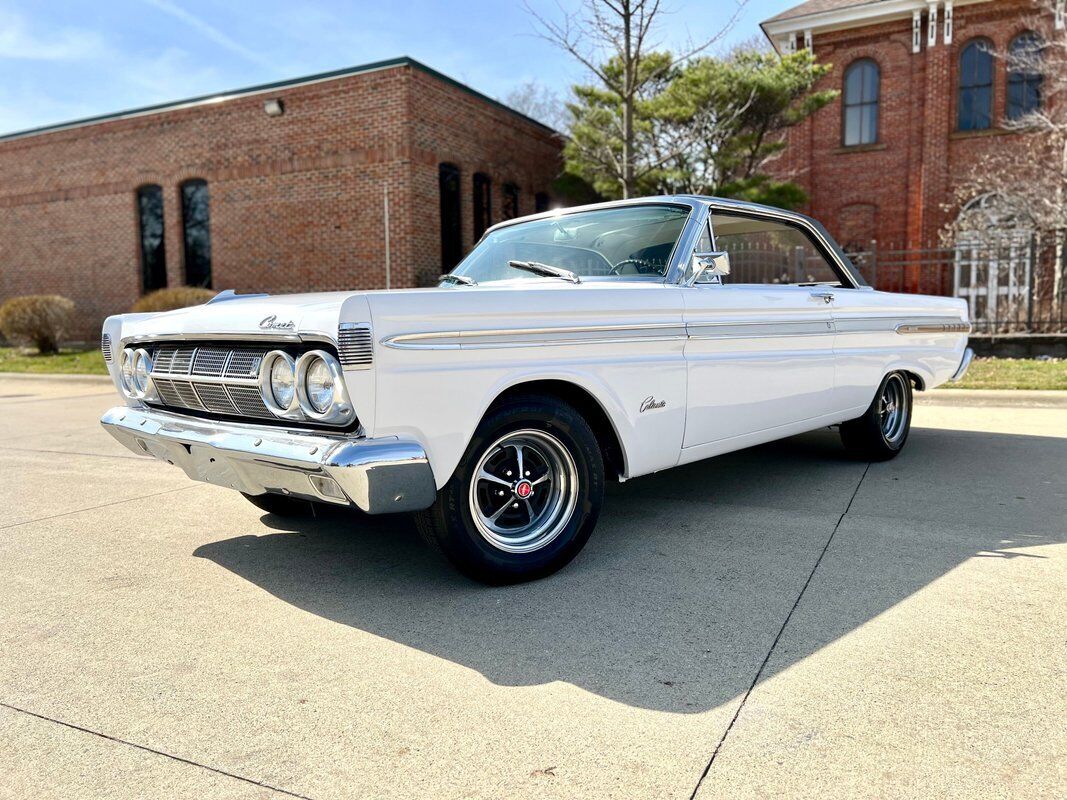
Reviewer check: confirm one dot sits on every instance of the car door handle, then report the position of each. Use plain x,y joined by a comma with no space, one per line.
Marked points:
825,295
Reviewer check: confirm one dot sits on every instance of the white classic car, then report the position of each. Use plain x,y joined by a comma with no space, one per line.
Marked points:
604,341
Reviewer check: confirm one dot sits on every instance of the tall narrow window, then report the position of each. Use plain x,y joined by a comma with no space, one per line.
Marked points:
510,208
862,87
451,232
483,203
541,202
1024,75
153,253
196,227
975,106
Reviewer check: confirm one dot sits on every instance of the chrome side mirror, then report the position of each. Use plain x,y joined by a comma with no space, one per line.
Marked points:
709,264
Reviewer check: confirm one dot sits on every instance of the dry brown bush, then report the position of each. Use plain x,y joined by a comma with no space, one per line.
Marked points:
170,299
38,319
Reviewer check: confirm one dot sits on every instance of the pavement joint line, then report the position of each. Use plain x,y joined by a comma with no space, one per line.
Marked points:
94,508
53,399
152,750
774,644
74,453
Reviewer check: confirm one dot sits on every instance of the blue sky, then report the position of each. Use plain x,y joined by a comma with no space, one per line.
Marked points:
62,59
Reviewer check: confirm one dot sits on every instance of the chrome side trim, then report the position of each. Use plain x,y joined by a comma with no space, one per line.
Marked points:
666,331
377,475
934,327
536,337
965,364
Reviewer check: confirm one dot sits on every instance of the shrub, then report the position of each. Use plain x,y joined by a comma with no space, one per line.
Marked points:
39,319
170,299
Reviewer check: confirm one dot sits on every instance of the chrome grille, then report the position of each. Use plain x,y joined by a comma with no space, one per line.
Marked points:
354,346
210,360
214,398
105,346
214,378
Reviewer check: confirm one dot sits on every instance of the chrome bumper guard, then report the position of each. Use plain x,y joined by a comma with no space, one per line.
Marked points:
965,364
380,476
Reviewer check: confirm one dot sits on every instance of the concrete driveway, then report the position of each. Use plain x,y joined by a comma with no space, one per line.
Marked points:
781,622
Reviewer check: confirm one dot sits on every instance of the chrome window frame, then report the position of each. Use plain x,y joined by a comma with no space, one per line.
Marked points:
701,209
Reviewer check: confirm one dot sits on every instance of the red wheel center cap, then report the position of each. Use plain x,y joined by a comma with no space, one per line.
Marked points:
523,489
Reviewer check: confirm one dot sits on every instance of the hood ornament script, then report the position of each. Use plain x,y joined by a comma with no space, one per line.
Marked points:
271,324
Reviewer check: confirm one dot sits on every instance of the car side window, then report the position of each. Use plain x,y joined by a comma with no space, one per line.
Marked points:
766,251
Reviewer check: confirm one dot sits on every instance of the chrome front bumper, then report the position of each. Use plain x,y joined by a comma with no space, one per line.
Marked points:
379,476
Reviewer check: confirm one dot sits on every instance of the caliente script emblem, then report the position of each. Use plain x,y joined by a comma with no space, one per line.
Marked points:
271,324
650,403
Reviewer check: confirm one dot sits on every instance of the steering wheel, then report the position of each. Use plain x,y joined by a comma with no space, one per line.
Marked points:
643,267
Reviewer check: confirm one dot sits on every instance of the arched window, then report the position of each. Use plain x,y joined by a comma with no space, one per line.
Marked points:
860,122
483,203
1024,75
153,253
975,105
510,207
196,231
451,232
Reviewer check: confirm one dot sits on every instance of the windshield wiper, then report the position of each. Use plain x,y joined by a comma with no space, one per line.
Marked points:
462,280
547,270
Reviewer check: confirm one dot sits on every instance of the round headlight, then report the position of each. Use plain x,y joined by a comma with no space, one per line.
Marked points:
142,370
319,383
282,382
126,370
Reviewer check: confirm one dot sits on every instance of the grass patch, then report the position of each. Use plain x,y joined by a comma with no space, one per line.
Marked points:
1015,373
67,361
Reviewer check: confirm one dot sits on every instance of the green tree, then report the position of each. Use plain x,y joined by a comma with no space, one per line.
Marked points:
709,126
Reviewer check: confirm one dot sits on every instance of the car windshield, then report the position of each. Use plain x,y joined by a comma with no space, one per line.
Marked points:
621,242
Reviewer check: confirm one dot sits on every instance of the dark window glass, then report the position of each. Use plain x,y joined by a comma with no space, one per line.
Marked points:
483,203
196,227
451,232
975,111
153,253
1024,75
541,202
769,252
510,209
862,86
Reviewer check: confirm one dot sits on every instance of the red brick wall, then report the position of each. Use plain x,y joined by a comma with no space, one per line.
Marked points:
296,201
896,190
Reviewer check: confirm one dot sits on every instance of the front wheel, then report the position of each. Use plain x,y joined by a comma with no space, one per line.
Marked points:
525,497
881,432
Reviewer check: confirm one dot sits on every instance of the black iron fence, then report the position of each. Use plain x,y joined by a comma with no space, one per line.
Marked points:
1012,284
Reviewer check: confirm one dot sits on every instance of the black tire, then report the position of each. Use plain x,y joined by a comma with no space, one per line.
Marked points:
281,505
879,435
537,426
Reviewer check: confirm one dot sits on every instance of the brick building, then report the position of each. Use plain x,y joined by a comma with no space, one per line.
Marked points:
924,92
280,188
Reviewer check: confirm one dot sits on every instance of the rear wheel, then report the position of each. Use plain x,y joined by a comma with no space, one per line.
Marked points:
525,497
880,434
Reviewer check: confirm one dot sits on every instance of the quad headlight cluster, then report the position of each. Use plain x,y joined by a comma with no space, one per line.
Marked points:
309,387
135,374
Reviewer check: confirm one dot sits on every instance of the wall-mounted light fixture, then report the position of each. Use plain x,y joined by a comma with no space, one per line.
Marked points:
274,107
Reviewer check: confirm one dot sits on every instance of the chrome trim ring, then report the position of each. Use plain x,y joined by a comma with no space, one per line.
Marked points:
126,381
148,391
893,409
266,390
340,409
523,491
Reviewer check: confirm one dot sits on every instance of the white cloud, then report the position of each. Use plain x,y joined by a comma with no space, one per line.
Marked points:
67,44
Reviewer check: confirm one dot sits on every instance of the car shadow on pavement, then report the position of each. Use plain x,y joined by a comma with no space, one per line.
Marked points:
686,583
